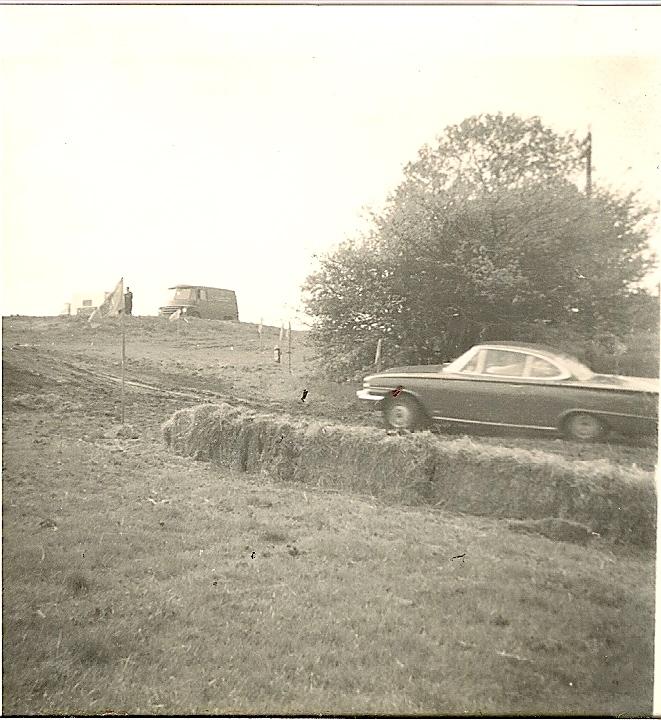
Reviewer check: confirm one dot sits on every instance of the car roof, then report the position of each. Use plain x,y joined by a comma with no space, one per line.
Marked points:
523,346
197,287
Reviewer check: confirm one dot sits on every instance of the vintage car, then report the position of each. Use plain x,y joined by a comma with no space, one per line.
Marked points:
516,385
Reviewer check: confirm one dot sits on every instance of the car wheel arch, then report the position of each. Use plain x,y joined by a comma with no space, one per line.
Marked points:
567,417
402,394
408,397
566,414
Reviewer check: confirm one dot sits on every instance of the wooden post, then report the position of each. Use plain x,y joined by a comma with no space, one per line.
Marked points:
289,350
377,357
588,163
123,362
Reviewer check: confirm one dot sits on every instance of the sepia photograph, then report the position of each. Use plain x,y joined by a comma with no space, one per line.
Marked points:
330,359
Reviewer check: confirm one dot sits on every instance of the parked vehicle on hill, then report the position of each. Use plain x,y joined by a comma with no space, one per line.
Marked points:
202,302
518,385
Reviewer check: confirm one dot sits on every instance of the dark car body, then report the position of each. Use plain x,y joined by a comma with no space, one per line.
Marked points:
520,385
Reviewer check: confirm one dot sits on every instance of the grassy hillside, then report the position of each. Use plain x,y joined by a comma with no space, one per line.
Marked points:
136,581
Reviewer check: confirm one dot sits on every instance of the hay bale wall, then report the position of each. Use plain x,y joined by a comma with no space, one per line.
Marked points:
458,475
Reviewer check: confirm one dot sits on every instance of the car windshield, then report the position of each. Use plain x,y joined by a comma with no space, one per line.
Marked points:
460,364
182,294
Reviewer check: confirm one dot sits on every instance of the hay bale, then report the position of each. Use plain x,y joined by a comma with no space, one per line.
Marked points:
176,431
460,475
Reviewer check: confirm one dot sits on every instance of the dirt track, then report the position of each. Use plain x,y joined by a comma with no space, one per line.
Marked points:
65,352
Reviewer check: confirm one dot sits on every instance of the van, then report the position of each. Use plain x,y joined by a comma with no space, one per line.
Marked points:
202,302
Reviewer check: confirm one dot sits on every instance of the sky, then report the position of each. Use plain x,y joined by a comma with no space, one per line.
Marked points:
226,146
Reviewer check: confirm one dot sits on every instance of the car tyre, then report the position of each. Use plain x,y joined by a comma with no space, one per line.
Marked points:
404,413
584,427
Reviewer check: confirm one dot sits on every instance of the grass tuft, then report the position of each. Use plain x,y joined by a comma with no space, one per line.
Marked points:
90,651
274,536
78,583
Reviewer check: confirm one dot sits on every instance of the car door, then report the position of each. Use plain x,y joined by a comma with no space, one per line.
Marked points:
548,392
454,395
500,388
491,389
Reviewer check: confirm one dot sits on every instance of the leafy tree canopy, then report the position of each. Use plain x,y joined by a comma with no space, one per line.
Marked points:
486,237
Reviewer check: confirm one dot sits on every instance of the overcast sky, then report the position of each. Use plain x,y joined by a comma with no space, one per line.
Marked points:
225,146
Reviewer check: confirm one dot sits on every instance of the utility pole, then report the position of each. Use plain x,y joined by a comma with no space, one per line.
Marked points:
588,163
121,321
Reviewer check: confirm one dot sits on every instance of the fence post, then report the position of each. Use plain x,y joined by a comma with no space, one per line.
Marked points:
289,347
377,357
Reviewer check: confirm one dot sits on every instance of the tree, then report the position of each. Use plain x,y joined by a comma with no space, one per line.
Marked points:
486,237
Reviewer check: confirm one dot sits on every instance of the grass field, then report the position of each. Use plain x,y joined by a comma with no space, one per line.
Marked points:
136,581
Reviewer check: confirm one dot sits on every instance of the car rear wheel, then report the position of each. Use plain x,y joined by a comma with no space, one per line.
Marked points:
404,414
584,427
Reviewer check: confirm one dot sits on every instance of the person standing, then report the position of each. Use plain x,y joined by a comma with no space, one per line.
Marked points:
128,301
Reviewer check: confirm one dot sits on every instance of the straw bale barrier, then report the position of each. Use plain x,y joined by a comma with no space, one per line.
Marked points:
458,475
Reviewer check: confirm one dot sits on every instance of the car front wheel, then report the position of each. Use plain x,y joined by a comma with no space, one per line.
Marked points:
584,427
404,414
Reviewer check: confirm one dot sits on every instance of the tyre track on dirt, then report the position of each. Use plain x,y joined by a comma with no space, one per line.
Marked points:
78,371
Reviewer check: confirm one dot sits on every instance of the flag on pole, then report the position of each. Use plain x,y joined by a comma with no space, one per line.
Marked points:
259,329
586,145
113,305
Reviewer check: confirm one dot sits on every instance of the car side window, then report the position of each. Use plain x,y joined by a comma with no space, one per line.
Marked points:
505,362
539,368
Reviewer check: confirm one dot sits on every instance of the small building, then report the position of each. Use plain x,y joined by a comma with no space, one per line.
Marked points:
86,303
